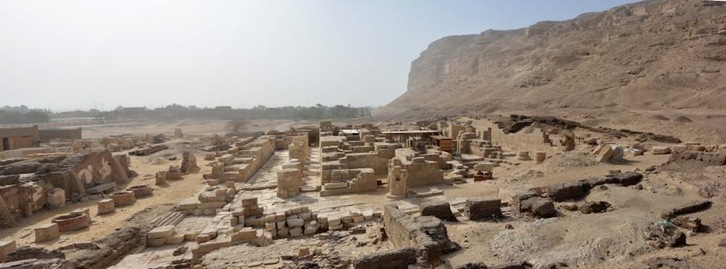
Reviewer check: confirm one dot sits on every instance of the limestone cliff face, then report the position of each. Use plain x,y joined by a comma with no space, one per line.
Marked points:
648,55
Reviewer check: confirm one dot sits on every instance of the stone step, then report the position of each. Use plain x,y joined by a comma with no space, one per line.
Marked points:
170,219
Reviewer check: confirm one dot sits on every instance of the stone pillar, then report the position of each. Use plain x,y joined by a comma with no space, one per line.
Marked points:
397,183
178,133
189,163
118,172
539,157
298,149
125,161
160,178
289,182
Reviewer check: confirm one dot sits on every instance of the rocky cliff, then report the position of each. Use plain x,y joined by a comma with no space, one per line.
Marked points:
648,55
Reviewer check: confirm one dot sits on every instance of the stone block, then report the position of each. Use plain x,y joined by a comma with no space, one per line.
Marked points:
189,204
335,185
660,150
190,236
438,209
294,223
238,212
106,206
123,198
296,232
211,205
539,207
251,221
336,227
283,232
5,248
347,219
47,232
311,228
161,232
334,220
248,201
483,208
246,233
156,242
568,191
306,216
397,258
176,239
484,167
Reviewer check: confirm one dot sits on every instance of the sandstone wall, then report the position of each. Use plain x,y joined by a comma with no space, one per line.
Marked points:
367,160
362,180
260,151
528,139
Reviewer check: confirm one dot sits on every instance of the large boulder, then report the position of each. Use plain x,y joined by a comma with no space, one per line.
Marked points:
539,207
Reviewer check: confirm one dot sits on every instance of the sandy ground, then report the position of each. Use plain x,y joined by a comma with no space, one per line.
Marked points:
602,240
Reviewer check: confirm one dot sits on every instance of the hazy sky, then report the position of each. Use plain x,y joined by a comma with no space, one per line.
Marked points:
101,54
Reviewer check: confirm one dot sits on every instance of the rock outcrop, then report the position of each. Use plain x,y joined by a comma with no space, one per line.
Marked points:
650,54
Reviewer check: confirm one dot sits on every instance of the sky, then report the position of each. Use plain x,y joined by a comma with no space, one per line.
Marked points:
64,55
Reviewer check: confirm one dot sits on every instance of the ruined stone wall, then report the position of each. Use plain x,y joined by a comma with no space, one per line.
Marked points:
424,173
361,180
10,195
97,168
529,138
289,182
299,149
282,142
427,234
420,171
367,160
391,259
260,151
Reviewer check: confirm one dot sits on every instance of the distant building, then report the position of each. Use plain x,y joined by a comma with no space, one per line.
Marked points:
46,135
16,138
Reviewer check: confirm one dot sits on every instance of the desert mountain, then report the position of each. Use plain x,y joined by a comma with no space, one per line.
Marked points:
660,54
